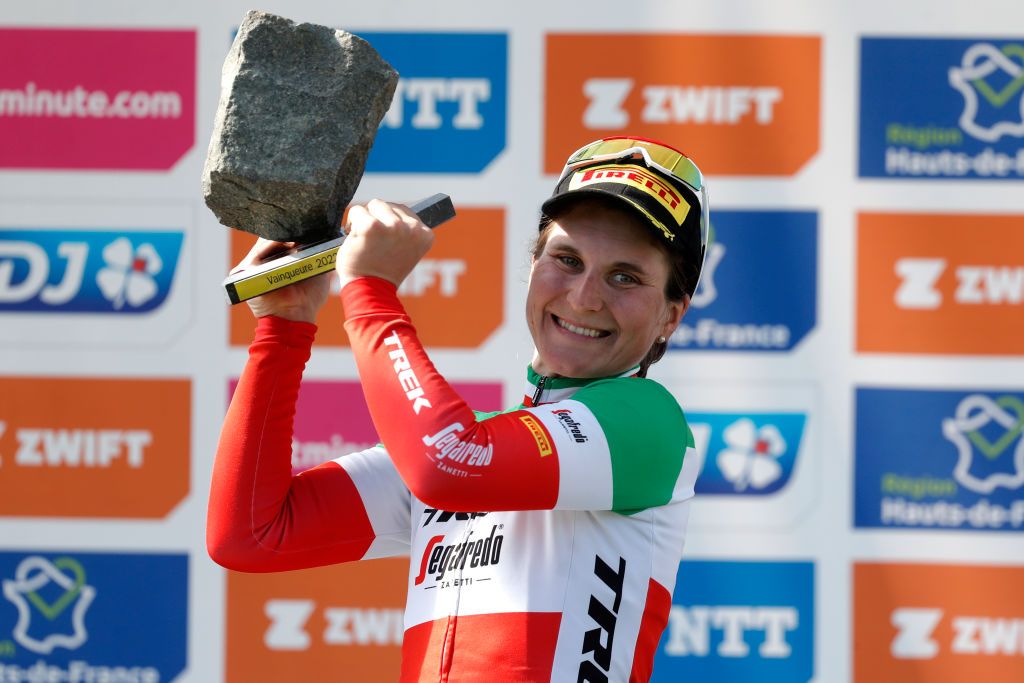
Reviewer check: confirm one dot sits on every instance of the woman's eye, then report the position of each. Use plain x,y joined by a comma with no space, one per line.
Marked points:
570,261
624,279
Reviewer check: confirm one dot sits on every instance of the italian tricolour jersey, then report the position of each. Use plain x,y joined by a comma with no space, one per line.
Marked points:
543,541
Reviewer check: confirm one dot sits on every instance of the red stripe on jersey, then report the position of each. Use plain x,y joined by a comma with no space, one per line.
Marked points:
515,646
446,458
262,519
652,625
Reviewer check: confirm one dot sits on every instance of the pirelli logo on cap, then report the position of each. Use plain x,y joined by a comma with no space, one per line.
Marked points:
538,433
647,182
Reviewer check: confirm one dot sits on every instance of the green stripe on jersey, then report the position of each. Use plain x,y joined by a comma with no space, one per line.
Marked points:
647,436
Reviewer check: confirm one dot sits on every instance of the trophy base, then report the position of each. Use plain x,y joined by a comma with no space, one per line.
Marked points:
315,259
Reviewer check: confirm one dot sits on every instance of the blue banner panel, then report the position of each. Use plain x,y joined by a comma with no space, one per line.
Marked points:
758,288
450,109
738,622
939,459
87,271
748,454
79,616
941,108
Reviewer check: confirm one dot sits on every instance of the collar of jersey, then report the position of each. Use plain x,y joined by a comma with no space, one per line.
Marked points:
562,383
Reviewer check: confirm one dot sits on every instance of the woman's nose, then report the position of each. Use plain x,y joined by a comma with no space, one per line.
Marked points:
585,293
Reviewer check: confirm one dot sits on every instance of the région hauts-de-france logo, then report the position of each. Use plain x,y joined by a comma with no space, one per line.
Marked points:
940,459
980,63
43,591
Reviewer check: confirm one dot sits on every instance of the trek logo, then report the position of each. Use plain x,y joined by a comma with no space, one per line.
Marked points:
730,311
346,626
571,426
439,558
922,289
720,107
604,610
974,473
63,617
435,516
129,106
976,285
108,437
747,454
640,179
930,622
677,104
449,446
65,271
452,96
753,621
406,376
942,108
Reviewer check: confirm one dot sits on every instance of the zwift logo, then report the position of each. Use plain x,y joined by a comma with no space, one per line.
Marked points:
71,271
747,454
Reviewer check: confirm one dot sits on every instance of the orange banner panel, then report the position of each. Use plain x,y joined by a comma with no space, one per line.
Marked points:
338,623
938,623
940,284
455,295
739,105
93,447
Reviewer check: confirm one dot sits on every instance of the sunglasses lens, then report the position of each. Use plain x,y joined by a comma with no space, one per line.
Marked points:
671,161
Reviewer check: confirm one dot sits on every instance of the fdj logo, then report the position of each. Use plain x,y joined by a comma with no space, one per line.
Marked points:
448,113
86,271
747,454
51,599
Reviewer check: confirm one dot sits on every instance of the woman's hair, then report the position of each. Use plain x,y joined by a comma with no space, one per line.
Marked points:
682,275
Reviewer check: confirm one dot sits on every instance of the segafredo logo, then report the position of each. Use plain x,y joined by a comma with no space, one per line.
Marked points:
731,310
941,108
63,617
570,425
449,110
739,621
973,474
80,271
450,447
472,550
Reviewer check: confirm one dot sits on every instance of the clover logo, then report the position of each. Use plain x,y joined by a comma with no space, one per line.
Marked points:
128,274
980,63
32,576
752,453
974,413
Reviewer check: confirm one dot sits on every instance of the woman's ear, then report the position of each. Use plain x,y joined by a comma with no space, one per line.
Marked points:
676,311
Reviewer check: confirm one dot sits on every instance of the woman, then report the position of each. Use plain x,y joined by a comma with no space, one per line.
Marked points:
544,541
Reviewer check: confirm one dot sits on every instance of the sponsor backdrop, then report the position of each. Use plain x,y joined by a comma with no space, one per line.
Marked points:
851,365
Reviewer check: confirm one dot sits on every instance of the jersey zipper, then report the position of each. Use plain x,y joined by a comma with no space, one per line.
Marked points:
540,389
448,643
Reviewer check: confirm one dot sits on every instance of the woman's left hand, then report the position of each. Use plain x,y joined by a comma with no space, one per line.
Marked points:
382,240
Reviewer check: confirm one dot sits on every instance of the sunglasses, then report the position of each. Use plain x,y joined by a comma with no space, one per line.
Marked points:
657,156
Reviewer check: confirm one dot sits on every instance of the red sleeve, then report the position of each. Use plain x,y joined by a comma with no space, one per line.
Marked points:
447,459
260,517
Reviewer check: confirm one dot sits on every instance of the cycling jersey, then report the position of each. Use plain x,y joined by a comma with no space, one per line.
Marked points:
543,541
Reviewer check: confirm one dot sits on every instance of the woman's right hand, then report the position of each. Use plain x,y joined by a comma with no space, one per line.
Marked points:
300,301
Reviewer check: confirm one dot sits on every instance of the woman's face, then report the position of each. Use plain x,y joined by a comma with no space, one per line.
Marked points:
596,301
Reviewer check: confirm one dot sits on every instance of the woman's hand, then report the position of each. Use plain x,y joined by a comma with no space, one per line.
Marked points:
382,240
300,301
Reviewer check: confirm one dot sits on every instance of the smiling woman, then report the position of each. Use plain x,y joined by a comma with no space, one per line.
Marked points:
544,540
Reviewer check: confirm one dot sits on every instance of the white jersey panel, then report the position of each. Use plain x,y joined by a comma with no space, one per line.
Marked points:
386,500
